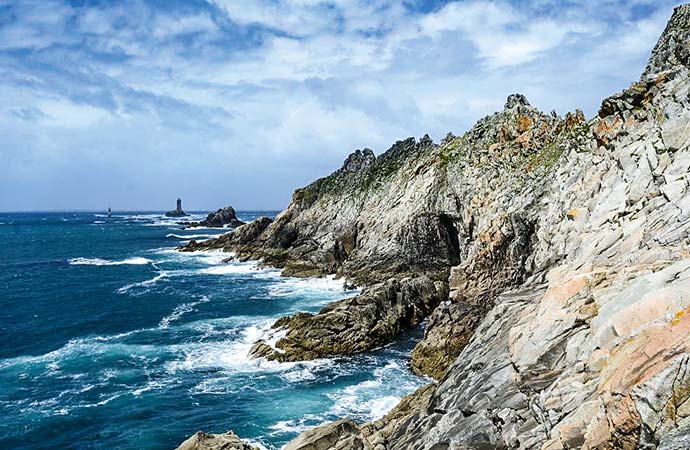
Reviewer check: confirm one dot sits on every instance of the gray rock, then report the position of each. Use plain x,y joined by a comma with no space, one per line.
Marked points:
339,435
206,441
565,245
515,100
222,217
369,320
672,50
240,239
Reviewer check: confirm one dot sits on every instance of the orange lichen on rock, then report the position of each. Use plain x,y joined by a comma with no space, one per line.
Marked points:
643,356
523,123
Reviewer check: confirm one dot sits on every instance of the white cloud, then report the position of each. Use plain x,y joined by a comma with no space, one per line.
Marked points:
502,35
167,26
257,98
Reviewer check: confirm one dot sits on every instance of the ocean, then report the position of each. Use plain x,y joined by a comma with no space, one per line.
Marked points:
110,339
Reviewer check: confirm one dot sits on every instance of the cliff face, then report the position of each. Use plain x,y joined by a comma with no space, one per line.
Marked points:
414,213
565,246
411,210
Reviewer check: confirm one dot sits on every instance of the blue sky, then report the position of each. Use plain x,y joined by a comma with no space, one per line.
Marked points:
134,103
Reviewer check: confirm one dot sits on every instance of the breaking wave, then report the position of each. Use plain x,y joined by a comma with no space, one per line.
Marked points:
104,262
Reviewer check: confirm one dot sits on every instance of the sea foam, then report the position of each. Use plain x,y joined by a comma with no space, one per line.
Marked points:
161,275
105,262
192,236
180,311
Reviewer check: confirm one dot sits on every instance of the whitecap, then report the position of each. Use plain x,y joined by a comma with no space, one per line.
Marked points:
105,262
324,290
210,257
296,426
374,398
296,376
193,236
143,216
216,386
236,269
78,348
152,385
161,275
161,223
233,355
180,311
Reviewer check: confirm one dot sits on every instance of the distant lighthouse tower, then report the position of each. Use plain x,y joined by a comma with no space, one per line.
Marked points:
177,212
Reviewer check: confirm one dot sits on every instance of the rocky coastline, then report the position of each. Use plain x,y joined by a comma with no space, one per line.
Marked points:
550,256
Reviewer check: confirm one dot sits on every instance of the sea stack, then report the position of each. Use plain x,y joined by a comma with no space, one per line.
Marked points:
177,212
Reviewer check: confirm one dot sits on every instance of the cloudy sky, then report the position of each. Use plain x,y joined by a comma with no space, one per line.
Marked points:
134,103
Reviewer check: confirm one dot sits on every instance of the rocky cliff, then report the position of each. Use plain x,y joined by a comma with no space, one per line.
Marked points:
553,255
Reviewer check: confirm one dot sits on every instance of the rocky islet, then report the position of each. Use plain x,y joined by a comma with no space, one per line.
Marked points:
223,217
177,212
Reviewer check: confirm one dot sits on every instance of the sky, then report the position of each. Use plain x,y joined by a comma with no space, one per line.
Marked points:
133,103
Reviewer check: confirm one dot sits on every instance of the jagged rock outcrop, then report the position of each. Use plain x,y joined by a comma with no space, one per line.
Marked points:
420,209
241,239
566,247
177,212
343,433
672,50
369,320
223,217
206,441
330,227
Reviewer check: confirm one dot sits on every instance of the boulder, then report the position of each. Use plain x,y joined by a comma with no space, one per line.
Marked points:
339,435
221,218
207,441
260,349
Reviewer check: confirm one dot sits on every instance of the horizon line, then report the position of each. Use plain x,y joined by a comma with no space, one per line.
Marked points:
124,210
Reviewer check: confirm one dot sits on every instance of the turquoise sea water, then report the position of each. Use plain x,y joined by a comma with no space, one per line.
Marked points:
109,339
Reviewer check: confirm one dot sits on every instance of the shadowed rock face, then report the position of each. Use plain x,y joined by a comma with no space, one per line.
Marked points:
240,239
565,245
370,320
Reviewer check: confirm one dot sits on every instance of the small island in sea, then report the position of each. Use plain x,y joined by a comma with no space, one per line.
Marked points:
177,212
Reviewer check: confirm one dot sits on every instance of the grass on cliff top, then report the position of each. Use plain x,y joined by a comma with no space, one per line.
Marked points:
341,183
452,151
546,157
